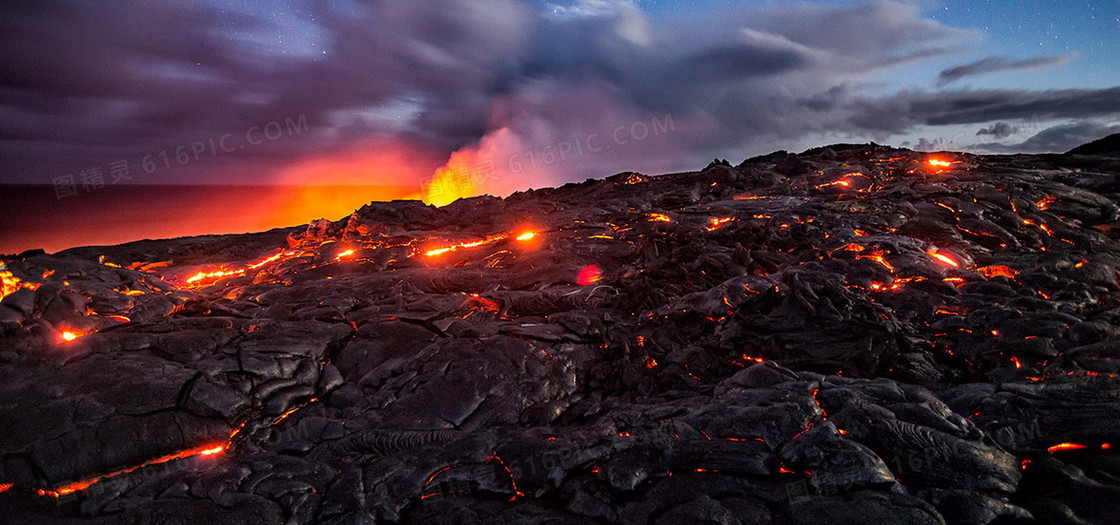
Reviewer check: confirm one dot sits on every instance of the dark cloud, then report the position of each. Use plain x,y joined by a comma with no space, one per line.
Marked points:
904,111
997,64
1055,139
999,130
84,84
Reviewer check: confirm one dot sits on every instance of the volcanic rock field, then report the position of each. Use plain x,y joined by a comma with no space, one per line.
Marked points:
853,334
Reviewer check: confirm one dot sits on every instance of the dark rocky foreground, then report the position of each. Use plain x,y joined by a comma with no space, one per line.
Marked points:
849,335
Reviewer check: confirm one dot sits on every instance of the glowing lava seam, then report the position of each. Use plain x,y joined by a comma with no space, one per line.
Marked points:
206,450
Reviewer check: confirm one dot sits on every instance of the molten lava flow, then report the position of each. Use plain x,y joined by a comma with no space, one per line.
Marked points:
343,255
526,236
719,221
1065,446
207,450
5,486
843,183
659,217
213,275
942,257
877,256
9,283
71,335
454,247
997,271
210,277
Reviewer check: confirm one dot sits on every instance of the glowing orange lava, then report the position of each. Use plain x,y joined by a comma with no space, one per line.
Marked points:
942,257
70,336
842,183
877,256
526,236
997,271
659,217
344,255
207,450
9,283
719,221
1065,446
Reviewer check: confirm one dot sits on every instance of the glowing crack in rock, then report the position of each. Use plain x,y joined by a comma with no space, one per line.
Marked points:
207,450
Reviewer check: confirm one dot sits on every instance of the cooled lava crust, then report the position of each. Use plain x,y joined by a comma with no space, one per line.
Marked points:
854,334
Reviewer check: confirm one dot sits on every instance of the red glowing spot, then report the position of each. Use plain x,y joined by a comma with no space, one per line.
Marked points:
212,451
589,275
1065,446
650,362
842,431
749,358
1106,446
70,336
624,434
995,333
526,236
344,255
595,469
5,486
1025,463
659,217
1045,203
940,163
1017,363
784,470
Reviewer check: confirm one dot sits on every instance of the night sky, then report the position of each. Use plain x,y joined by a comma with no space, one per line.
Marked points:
508,94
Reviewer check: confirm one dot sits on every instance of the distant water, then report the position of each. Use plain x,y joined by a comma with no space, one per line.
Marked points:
32,216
